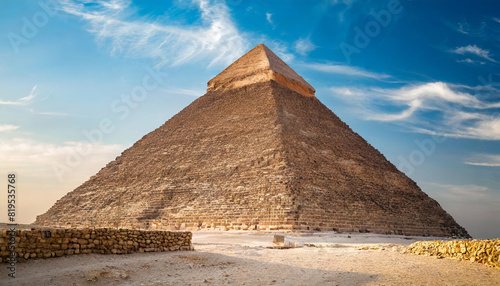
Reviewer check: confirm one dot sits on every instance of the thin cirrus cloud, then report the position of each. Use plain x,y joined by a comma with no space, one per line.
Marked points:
27,101
467,190
482,129
49,113
470,194
22,101
474,50
485,160
111,22
189,92
304,46
269,19
344,70
470,61
24,154
462,115
461,29
8,127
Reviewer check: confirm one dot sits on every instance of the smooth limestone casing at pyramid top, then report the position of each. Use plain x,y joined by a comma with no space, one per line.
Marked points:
258,151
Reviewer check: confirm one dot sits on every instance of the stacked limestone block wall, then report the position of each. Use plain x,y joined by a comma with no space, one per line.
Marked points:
480,251
46,243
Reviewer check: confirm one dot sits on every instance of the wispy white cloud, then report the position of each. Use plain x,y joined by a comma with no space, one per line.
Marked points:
487,129
496,20
22,101
304,46
23,154
461,114
471,126
8,127
26,103
470,61
114,23
474,50
50,113
190,92
461,29
31,96
269,18
424,96
281,49
465,190
471,194
485,160
47,113
344,70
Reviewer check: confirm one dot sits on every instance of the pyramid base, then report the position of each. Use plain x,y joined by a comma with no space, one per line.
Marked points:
407,230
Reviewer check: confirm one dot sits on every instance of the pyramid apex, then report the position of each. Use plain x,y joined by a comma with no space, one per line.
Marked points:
260,64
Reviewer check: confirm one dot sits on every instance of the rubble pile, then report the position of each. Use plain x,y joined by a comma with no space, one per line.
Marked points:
480,251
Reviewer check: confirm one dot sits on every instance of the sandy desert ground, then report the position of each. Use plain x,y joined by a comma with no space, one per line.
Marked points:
242,258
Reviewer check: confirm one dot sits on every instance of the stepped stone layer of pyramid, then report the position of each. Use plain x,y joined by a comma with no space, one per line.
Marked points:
257,151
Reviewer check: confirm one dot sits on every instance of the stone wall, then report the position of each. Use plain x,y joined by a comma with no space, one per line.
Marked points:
480,251
46,243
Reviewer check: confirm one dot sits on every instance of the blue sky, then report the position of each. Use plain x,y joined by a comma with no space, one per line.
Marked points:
80,81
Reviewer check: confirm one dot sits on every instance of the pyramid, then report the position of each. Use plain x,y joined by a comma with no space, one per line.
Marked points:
257,151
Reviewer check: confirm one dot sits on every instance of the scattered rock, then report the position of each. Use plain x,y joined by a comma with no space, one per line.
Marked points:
481,251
